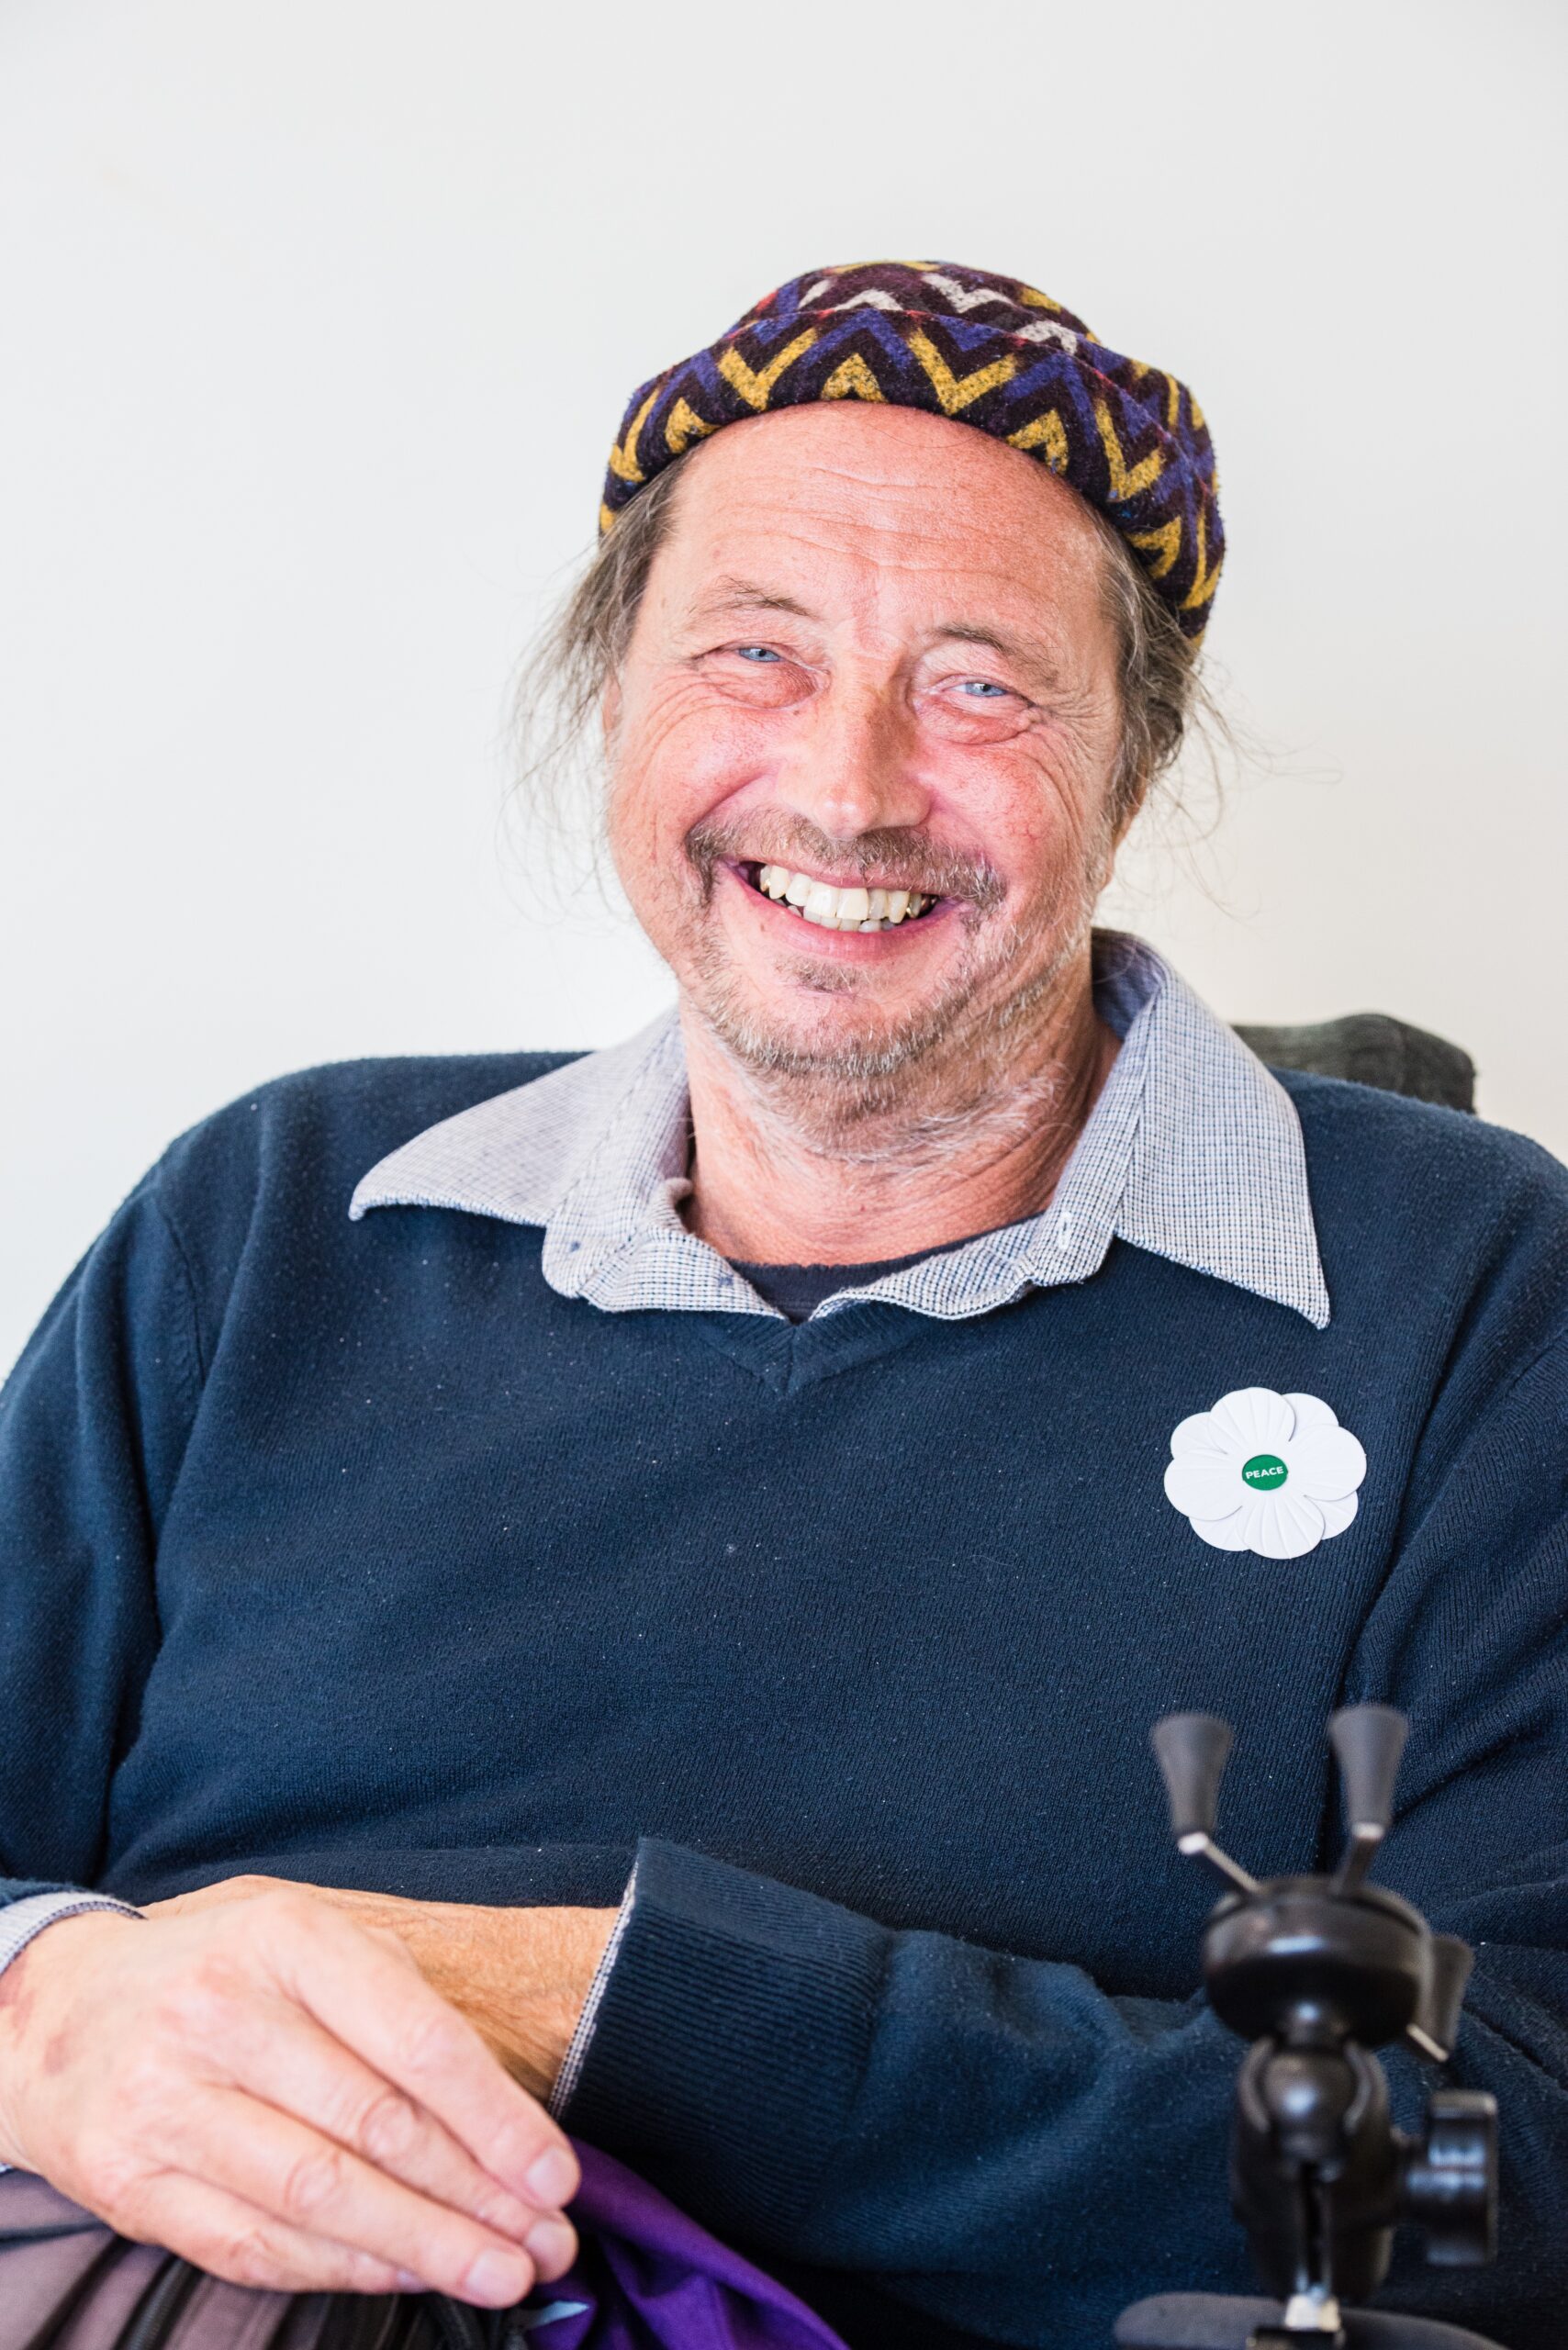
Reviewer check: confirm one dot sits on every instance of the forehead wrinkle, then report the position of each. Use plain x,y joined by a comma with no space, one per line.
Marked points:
872,555
909,495
869,553
746,595
1031,652
908,536
899,455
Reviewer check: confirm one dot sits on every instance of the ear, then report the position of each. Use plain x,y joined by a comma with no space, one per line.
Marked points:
610,711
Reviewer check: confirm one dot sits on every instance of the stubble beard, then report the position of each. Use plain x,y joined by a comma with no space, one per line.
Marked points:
975,1050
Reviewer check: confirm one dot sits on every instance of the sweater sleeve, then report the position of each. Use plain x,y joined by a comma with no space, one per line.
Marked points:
94,1421
1000,2144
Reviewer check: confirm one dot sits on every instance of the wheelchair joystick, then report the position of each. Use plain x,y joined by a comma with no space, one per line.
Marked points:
1316,1973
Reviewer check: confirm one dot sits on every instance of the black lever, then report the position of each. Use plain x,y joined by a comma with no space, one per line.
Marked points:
1191,1750
1369,1741
1436,2027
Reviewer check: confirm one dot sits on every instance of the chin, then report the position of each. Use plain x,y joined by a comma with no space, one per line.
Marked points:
826,1036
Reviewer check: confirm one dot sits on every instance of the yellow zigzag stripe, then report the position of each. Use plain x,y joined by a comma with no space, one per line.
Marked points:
605,519
755,386
1044,432
1166,540
1123,483
683,426
1203,585
623,456
852,380
956,392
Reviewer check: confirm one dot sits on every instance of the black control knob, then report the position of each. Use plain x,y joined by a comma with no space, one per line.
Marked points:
1450,2186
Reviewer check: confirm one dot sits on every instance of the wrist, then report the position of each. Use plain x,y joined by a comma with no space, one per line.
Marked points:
557,1955
37,1989
69,1935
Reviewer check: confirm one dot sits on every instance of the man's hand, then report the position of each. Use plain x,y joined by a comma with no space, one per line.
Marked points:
519,1975
271,2087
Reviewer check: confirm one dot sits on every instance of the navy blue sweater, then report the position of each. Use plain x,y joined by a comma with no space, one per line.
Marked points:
354,1553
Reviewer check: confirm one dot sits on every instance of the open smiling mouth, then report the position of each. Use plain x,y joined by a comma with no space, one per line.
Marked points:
831,908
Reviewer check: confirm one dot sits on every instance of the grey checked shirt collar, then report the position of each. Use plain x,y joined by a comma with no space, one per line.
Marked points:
1193,1151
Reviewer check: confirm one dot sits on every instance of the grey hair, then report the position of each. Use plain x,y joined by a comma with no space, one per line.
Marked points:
561,681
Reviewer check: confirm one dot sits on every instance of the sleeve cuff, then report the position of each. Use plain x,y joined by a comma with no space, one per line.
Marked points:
572,2062
21,1920
730,2035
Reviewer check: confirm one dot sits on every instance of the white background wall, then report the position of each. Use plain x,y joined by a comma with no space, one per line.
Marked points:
319,315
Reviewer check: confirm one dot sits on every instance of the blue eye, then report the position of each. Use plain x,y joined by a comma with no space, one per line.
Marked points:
756,653
980,685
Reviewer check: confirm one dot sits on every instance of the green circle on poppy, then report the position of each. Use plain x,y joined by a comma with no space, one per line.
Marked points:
1266,1472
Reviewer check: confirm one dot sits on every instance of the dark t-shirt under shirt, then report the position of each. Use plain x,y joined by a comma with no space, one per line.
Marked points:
798,1290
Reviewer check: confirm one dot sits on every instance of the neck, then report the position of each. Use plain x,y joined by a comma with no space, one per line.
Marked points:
787,1171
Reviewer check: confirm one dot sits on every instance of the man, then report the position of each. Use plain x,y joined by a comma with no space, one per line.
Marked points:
681,1547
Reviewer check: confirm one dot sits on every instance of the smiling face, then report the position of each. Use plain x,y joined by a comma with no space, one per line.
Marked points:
863,740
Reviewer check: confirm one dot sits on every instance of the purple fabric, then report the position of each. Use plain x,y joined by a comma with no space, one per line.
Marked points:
650,2277
647,2278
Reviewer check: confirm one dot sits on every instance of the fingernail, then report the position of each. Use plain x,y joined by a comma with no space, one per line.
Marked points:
552,2246
497,2278
554,2177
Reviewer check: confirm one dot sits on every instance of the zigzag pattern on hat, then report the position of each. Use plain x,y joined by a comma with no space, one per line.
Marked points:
961,342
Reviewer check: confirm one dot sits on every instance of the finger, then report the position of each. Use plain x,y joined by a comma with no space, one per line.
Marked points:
369,1994
319,2189
233,2239
282,2056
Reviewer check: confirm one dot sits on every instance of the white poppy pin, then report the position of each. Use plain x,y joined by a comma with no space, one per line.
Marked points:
1273,1474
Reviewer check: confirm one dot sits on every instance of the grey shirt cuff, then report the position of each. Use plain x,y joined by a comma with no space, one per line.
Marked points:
572,2064
20,1920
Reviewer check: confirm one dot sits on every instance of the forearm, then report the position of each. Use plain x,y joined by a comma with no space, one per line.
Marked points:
519,1975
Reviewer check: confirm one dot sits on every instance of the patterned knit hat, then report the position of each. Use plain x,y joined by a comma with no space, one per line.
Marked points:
961,342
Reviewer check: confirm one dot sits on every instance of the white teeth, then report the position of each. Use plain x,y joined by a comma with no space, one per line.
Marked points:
831,908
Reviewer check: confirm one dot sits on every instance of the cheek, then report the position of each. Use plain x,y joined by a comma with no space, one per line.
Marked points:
678,758
1034,810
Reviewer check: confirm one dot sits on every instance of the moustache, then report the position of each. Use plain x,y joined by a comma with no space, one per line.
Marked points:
891,858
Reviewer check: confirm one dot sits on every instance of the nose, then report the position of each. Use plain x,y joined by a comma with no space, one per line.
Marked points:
852,764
